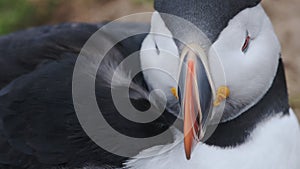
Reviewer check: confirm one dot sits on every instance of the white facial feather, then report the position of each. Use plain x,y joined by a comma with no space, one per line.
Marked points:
160,58
249,75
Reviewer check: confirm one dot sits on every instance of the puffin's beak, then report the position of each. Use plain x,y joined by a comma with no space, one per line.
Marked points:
195,92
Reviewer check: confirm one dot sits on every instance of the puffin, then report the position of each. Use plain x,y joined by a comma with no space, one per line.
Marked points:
210,92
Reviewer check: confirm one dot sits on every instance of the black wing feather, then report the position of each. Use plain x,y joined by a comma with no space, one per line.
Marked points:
38,124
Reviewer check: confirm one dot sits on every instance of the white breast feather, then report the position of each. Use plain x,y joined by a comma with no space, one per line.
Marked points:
274,144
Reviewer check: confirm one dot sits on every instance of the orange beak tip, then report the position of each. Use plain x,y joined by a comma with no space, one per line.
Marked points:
190,122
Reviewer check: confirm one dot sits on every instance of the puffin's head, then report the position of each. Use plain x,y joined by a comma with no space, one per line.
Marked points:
233,71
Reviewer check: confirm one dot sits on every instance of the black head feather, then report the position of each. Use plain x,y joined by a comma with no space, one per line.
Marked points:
210,16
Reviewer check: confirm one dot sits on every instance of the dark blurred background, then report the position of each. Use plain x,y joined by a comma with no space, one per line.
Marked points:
21,14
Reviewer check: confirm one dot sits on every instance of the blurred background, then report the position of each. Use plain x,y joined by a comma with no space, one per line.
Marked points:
21,14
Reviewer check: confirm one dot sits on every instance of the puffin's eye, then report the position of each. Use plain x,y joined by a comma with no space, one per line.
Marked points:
246,44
